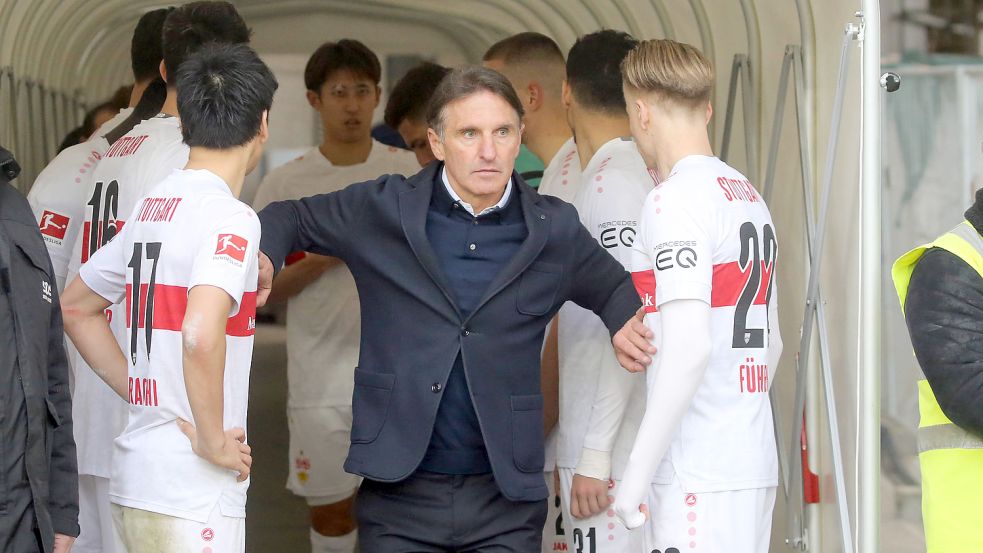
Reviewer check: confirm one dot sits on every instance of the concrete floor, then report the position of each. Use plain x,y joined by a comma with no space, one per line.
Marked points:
276,520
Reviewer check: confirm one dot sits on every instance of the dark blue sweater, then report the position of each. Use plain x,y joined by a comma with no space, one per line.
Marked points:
471,251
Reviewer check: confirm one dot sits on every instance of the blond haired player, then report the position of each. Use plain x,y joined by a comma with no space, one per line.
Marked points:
703,470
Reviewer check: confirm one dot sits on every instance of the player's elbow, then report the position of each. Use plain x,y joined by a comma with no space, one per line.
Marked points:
73,310
198,339
72,317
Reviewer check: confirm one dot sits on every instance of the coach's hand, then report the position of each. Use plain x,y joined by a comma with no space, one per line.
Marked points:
231,452
265,280
632,344
588,496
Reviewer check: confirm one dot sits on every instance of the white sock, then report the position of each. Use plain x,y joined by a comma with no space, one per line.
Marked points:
333,544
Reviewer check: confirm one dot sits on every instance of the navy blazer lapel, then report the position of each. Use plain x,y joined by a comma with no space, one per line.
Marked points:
538,228
414,203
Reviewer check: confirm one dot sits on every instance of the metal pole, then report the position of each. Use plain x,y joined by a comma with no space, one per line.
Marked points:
868,507
735,70
814,310
776,129
748,96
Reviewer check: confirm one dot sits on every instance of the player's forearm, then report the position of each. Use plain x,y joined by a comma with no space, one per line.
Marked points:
685,353
84,317
614,386
204,374
295,277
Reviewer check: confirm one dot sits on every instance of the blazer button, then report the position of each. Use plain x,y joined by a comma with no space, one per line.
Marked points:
436,387
465,332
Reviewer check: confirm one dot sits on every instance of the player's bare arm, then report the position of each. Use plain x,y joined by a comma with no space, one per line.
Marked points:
204,341
295,277
84,313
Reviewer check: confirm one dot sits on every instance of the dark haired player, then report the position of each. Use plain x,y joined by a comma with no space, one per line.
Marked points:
186,266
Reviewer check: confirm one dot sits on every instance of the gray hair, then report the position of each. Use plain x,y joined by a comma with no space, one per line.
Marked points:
464,82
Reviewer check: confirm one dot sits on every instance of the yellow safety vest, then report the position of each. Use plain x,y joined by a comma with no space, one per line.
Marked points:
951,458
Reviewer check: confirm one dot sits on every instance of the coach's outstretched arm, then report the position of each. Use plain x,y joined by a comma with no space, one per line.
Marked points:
602,285
679,369
320,224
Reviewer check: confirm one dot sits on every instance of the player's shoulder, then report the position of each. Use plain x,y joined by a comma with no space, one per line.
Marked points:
306,166
80,158
390,159
694,180
222,209
557,209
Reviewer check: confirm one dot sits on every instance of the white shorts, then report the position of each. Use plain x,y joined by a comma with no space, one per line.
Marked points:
98,535
601,533
149,532
734,521
319,441
553,538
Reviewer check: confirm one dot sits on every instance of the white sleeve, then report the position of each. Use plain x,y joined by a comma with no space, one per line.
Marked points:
680,244
679,369
614,224
105,272
225,254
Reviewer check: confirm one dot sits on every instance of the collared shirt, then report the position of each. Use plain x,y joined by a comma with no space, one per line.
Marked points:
470,209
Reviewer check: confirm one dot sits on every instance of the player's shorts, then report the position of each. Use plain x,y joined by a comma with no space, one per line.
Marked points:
148,532
733,521
98,535
319,441
601,533
553,532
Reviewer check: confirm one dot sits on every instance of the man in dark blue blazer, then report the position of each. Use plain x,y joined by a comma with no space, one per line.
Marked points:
459,270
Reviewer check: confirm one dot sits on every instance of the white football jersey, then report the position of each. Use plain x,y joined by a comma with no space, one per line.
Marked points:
189,231
58,195
323,320
706,234
561,178
135,163
614,186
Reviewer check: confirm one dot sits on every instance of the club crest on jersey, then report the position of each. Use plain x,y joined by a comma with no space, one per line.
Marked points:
53,227
231,245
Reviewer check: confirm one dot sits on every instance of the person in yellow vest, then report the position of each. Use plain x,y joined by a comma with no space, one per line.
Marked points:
941,290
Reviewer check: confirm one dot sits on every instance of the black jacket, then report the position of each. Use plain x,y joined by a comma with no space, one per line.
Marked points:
26,278
412,329
944,313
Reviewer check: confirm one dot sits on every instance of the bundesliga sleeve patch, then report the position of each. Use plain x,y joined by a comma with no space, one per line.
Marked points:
231,245
53,225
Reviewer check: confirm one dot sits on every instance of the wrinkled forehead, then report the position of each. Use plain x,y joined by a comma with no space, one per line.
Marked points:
481,109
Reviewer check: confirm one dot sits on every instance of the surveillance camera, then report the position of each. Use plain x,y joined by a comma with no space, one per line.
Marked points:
890,81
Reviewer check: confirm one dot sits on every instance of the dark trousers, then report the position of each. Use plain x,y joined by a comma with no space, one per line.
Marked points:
441,513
